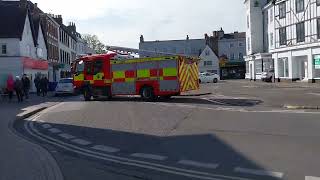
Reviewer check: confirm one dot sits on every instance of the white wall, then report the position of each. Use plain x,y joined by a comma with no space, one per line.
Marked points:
42,46
27,47
13,48
209,57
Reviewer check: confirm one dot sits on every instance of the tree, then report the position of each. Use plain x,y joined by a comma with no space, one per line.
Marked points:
94,43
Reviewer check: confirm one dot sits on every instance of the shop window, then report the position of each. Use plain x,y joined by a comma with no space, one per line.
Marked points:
283,67
258,66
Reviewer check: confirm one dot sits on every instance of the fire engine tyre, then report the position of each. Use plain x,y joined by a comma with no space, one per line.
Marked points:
87,94
147,93
215,80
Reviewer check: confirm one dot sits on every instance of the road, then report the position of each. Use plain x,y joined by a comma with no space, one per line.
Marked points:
184,138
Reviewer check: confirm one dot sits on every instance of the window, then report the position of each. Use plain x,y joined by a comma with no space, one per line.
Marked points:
207,53
88,68
248,42
3,49
271,39
271,15
299,6
283,36
282,10
318,28
240,44
232,56
300,30
240,56
318,2
231,45
248,21
207,63
98,66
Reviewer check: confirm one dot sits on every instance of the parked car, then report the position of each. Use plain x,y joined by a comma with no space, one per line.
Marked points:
208,77
65,86
268,75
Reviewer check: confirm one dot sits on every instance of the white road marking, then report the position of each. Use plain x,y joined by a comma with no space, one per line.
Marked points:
312,178
55,130
81,142
126,161
105,148
198,164
149,156
258,172
46,126
66,136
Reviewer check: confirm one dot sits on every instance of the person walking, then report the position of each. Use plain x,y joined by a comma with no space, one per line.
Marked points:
37,84
26,85
18,87
44,86
10,86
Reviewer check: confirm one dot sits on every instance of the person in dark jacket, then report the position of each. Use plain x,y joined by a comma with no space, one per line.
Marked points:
26,86
18,87
44,86
37,84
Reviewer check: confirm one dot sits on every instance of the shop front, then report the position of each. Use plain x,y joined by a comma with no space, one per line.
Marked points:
33,68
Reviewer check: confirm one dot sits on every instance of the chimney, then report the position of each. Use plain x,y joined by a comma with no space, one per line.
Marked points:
221,33
188,37
23,3
141,39
58,19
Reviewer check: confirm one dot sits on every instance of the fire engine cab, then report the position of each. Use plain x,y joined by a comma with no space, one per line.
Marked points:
107,75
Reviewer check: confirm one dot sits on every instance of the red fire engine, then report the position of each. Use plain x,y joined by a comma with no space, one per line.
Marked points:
107,75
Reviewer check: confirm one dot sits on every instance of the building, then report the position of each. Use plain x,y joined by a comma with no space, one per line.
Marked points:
230,48
188,47
67,46
23,48
284,36
50,30
209,61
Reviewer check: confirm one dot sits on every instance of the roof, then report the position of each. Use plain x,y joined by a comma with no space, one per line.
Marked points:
12,20
234,35
181,40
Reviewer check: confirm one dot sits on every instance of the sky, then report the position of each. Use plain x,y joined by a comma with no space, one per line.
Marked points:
121,22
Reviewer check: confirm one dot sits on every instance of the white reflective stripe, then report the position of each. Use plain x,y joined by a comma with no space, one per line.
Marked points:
81,141
149,156
105,148
198,164
312,178
55,130
259,172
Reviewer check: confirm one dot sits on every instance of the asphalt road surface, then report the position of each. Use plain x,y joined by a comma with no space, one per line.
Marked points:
183,138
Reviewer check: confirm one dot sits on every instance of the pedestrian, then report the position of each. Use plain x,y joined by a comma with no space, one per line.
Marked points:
10,86
26,85
18,87
37,84
44,86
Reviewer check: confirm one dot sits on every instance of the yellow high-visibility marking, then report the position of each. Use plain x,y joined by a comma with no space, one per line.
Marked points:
143,73
143,60
130,79
98,76
170,72
119,74
79,77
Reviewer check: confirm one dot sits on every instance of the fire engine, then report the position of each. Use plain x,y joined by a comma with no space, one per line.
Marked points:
107,75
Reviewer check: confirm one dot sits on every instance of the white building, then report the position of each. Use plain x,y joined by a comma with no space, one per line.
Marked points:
22,45
209,61
284,35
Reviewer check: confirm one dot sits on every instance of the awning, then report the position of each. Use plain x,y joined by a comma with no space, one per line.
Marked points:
34,64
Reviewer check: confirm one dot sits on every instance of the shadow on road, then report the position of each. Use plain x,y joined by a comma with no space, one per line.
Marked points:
190,100
205,148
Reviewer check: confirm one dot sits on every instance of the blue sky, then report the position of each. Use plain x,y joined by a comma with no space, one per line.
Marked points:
121,22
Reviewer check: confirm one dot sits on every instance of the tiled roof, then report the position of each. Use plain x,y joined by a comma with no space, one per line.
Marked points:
12,20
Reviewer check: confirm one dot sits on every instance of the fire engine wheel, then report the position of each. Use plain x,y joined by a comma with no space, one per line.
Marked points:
86,94
147,93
